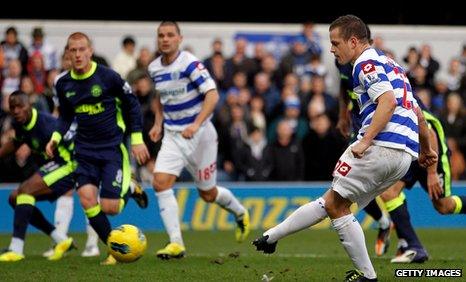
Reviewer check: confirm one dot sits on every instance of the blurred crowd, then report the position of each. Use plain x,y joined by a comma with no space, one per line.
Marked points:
275,119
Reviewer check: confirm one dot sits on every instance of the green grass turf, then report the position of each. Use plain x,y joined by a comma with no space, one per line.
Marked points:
312,255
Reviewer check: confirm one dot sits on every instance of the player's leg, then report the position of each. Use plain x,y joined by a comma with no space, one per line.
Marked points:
360,181
91,249
28,191
302,218
383,236
168,165
448,203
63,215
350,232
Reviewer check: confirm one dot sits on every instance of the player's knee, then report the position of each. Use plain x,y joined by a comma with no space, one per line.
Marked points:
25,188
388,195
161,183
111,210
208,196
12,198
442,207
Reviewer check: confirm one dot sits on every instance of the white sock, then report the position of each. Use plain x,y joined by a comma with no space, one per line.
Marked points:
57,236
132,186
304,217
384,222
352,238
63,214
228,201
168,208
16,245
92,237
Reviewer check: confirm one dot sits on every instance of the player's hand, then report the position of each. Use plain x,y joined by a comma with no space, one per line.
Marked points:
50,148
359,148
189,131
433,186
343,127
155,133
427,158
140,153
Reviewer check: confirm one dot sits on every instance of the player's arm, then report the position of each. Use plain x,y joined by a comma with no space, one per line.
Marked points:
155,132
204,83
8,148
133,112
343,124
427,156
386,104
65,119
433,181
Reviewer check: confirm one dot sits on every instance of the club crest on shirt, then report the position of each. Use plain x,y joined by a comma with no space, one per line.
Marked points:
175,75
370,73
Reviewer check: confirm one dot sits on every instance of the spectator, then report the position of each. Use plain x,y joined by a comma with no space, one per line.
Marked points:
291,115
37,100
320,100
429,63
47,50
297,58
217,47
14,50
142,62
454,120
454,75
37,71
240,61
270,94
322,148
11,82
125,61
250,159
286,155
312,39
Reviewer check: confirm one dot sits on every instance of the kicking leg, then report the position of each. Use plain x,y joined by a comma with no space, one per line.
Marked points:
349,231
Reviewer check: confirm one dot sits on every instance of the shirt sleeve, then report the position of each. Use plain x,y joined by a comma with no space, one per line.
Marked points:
200,77
131,108
372,76
66,114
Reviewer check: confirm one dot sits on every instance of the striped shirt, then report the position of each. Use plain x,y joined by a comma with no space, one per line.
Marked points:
374,74
181,86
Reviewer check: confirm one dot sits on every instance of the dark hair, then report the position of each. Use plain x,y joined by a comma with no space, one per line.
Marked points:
21,95
351,25
11,29
173,23
128,40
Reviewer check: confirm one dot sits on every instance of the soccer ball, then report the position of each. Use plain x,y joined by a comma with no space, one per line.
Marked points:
126,243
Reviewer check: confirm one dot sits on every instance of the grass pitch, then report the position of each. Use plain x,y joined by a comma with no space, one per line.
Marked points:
312,255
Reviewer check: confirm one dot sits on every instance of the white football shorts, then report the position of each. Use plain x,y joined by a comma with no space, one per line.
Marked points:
361,180
198,155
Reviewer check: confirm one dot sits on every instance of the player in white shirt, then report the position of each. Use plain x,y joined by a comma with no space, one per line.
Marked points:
186,98
387,143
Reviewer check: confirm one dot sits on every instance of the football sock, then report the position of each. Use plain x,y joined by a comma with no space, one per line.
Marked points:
398,209
352,238
99,221
16,245
460,206
168,208
92,237
384,222
57,236
39,221
228,201
304,217
63,214
23,213
373,210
